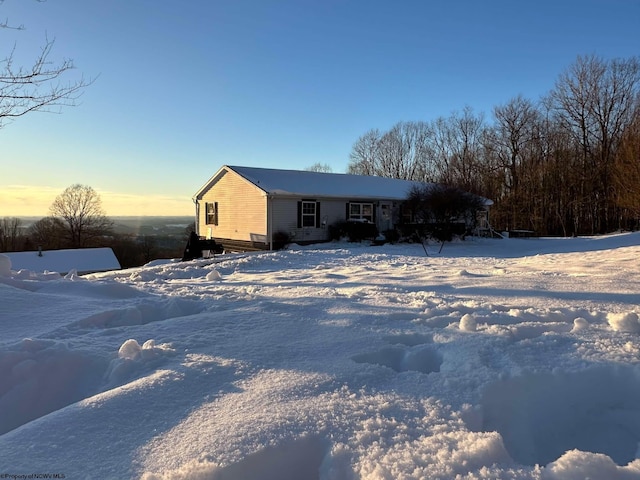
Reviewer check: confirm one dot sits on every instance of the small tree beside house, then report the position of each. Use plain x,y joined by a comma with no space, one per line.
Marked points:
440,211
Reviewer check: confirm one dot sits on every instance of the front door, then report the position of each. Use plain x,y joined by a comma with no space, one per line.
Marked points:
385,220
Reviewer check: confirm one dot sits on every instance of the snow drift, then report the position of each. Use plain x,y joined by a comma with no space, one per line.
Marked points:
494,359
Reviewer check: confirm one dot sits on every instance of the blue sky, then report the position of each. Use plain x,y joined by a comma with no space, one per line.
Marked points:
184,87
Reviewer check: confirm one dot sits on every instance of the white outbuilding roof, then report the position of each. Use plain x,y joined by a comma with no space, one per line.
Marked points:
82,260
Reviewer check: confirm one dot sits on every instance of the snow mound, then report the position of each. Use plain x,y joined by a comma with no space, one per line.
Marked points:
132,357
579,325
577,465
624,322
542,416
131,349
213,275
468,323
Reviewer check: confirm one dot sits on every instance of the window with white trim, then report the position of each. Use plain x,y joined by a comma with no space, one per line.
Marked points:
308,214
361,212
211,209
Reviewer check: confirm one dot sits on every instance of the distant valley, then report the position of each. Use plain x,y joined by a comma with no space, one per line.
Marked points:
140,226
152,226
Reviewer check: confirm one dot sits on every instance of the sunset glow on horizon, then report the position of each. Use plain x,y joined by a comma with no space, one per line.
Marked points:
34,201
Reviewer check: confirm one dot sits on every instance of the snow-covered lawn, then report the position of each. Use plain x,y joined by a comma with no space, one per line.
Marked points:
513,358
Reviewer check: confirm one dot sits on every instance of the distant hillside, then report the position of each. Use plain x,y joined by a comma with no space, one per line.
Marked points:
142,226
155,226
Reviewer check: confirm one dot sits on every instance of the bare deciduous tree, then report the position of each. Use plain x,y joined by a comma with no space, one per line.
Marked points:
402,152
514,130
514,158
48,233
466,136
320,167
10,230
363,159
80,207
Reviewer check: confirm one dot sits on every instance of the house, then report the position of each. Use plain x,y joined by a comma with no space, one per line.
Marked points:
248,207
82,260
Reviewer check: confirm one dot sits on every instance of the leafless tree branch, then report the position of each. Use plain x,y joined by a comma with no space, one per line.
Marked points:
39,87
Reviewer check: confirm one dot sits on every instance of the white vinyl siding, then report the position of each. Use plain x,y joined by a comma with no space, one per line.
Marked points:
285,218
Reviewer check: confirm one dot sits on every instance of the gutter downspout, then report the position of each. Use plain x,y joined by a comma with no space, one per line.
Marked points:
270,220
195,201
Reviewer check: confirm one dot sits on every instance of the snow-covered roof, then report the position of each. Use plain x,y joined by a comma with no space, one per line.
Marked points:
83,260
316,184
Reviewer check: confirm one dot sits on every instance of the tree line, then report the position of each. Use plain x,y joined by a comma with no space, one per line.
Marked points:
566,164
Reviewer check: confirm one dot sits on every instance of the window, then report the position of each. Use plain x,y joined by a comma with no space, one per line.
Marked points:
308,214
212,213
406,214
361,212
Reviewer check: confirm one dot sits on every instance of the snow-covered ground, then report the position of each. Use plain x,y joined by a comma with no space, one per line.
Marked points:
515,358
